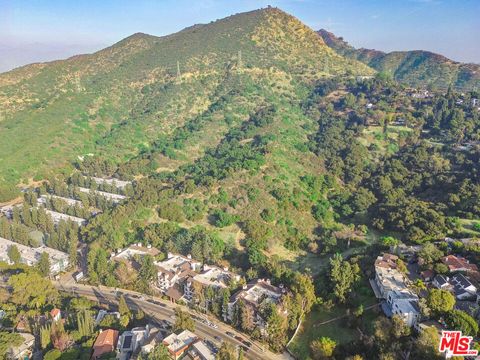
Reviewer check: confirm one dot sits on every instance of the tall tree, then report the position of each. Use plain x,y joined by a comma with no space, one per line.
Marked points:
14,254
460,320
440,301
124,310
343,275
43,264
45,339
60,339
183,320
85,323
148,271
226,352
32,291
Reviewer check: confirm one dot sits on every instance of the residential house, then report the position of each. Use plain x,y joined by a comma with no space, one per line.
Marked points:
178,344
6,211
458,284
427,275
173,272
102,313
405,305
30,256
77,276
200,351
441,282
458,264
130,341
154,337
24,350
56,314
387,277
106,342
134,250
391,286
420,94
255,294
212,276
463,287
405,250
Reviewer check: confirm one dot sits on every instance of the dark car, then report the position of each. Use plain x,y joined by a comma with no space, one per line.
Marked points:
218,338
247,343
239,338
210,344
230,334
156,302
135,296
245,349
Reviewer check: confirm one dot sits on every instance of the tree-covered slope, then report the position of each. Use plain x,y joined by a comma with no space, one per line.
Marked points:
415,68
118,101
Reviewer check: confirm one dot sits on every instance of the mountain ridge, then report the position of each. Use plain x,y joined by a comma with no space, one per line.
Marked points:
144,86
415,67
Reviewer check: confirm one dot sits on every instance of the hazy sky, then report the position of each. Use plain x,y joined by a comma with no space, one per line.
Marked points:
40,30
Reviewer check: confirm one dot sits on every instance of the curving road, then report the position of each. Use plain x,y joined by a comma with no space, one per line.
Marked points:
165,311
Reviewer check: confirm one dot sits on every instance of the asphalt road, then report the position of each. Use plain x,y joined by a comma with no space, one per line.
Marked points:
166,312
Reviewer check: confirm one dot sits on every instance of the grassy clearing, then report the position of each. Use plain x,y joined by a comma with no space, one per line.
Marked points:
467,226
384,143
317,324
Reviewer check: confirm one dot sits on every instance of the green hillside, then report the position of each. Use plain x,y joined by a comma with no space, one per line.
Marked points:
415,68
119,100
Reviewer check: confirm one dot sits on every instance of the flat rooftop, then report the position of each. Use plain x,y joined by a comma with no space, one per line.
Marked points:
110,196
111,181
31,254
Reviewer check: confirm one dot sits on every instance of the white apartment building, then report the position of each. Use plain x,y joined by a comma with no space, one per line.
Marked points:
30,256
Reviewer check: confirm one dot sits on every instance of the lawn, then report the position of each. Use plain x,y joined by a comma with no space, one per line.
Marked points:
338,330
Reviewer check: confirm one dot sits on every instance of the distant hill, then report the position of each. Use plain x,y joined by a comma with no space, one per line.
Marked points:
415,68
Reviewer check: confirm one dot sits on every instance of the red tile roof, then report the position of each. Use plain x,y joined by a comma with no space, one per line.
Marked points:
458,263
55,312
105,343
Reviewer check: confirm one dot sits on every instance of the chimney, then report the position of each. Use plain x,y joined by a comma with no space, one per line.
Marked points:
189,257
169,255
119,251
149,246
225,268
112,254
